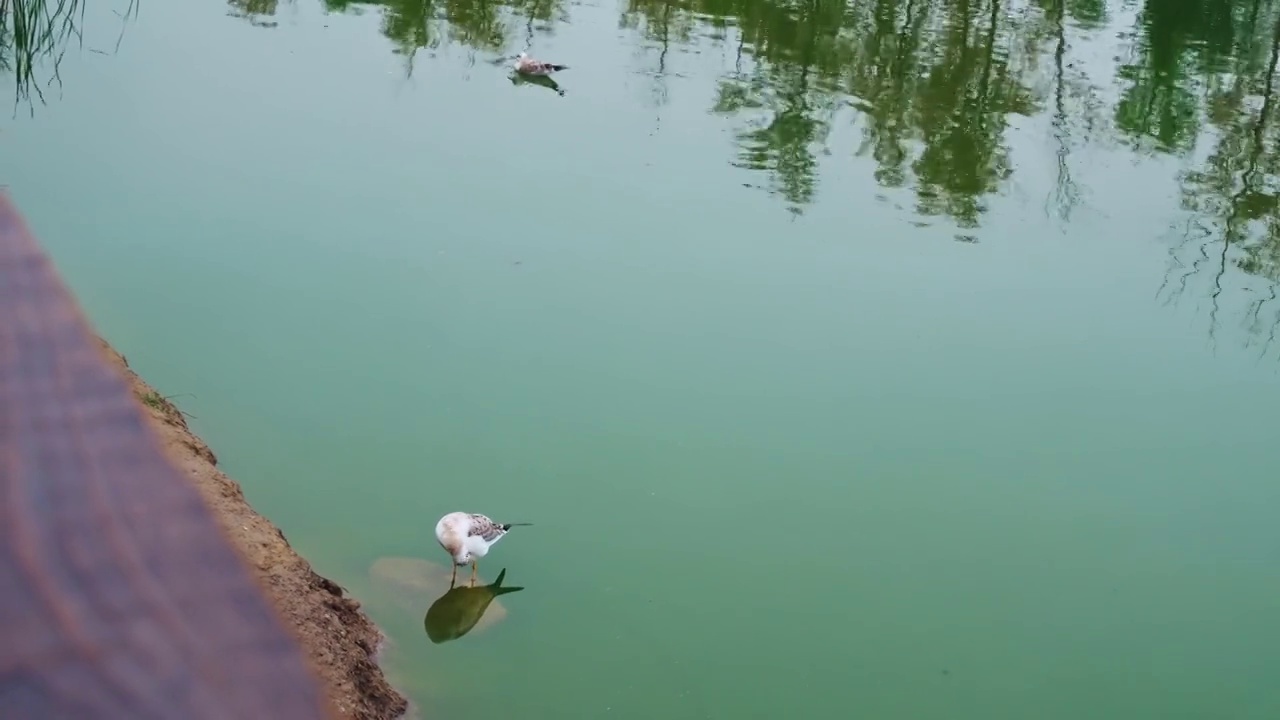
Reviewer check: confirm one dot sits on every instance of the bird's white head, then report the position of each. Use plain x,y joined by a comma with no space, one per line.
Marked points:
457,549
519,60
451,533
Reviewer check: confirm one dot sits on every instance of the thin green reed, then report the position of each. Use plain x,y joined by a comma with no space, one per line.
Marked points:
33,38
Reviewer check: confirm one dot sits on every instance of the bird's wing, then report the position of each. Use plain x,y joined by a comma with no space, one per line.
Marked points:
484,528
539,66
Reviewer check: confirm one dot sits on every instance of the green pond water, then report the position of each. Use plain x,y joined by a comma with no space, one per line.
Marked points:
899,359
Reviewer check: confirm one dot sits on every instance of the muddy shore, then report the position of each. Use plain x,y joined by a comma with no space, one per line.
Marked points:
341,642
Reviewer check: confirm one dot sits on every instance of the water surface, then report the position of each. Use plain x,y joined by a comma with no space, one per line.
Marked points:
895,359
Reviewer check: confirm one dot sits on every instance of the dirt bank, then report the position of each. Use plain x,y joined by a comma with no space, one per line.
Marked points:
338,637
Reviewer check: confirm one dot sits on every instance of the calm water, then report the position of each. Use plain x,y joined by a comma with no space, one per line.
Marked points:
911,359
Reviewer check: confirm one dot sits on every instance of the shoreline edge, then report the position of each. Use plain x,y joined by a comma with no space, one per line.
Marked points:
339,640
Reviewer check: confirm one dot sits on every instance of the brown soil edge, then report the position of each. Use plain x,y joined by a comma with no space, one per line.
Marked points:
340,641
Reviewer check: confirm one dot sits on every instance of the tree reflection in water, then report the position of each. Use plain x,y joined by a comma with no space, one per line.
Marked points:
932,87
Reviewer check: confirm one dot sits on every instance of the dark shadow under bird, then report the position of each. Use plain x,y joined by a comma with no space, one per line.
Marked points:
457,611
543,80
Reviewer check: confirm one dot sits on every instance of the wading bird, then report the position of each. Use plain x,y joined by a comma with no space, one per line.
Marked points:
468,537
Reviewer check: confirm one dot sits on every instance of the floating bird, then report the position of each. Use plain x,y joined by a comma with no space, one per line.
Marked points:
529,66
468,537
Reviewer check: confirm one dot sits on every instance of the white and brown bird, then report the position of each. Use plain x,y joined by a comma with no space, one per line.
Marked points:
468,537
529,66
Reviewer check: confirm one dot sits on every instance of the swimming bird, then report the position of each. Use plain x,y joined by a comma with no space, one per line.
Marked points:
529,66
468,537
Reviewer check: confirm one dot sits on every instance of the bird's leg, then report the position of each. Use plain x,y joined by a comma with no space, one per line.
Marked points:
453,579
473,573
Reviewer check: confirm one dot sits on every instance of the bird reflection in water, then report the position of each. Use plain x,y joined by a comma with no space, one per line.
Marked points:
456,612
543,80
